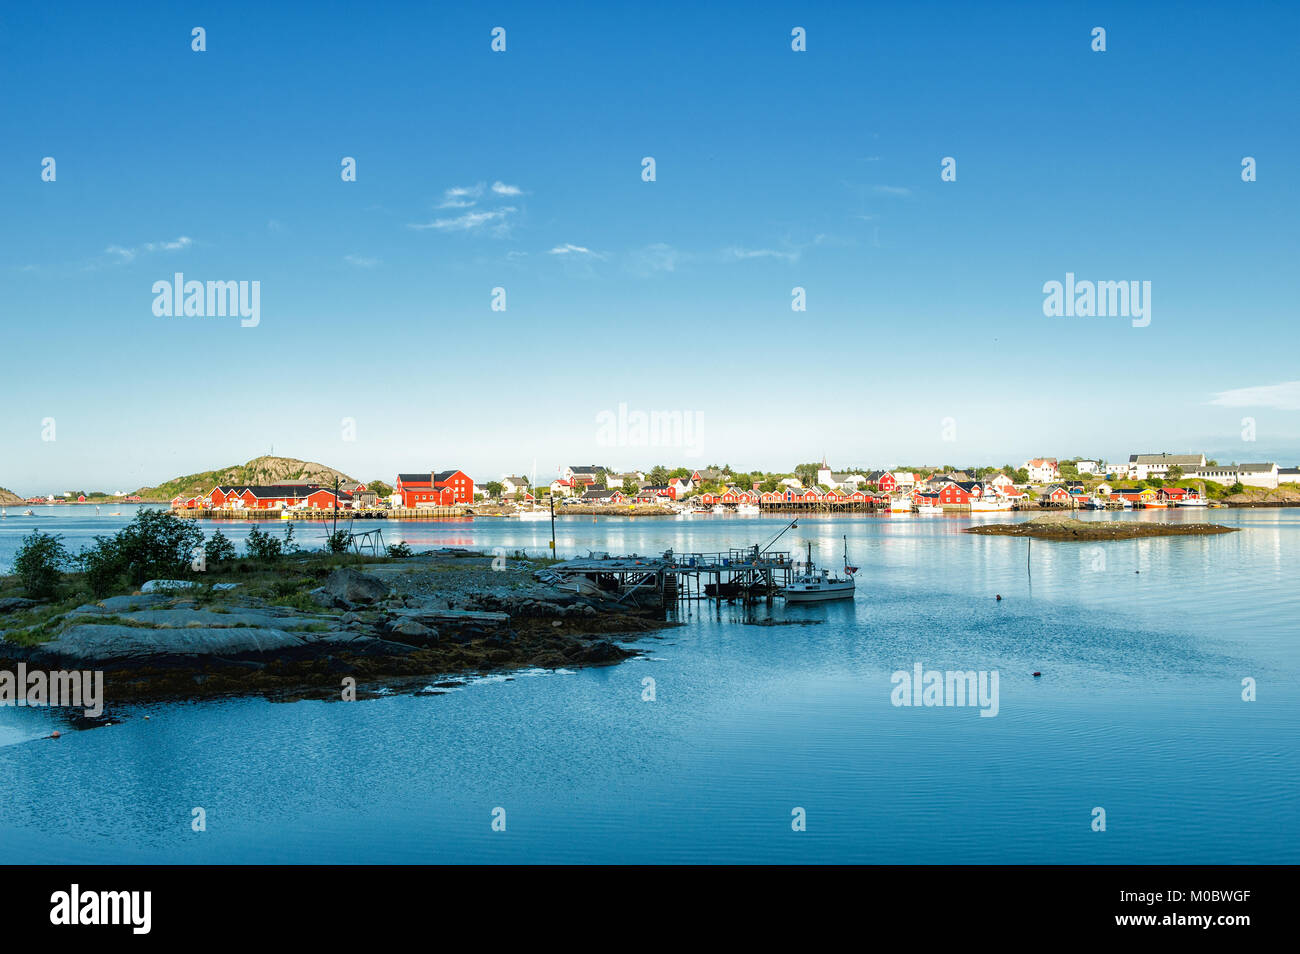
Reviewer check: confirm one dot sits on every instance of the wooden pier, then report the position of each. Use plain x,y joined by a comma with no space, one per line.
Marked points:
747,574
309,513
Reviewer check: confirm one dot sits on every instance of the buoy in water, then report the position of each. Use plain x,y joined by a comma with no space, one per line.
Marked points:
1037,674
999,597
54,734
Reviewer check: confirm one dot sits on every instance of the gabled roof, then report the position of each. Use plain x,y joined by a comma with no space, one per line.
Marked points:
1172,460
424,478
281,490
446,474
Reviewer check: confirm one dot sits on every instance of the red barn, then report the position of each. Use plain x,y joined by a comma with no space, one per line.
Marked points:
324,500
440,489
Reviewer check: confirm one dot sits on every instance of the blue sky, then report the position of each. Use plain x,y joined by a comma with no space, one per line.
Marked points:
775,169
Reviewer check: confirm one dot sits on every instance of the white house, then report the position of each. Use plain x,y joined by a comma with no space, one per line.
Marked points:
511,485
1251,475
1142,466
1001,483
1043,470
1088,467
905,479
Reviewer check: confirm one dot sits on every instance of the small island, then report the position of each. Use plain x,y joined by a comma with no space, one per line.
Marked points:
1059,526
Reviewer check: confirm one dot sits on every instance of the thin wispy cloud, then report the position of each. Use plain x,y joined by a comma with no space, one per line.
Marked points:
1279,397
494,220
361,261
480,215
124,254
891,190
461,197
745,254
653,259
577,250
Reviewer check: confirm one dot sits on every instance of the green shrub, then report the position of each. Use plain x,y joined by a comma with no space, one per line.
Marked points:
399,550
39,562
219,549
262,546
102,566
338,541
156,544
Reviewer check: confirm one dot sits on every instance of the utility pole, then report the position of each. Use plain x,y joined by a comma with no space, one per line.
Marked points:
551,499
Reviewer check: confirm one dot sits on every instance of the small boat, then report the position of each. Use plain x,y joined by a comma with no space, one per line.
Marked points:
533,515
747,508
1193,502
929,508
990,505
810,585
701,510
718,508
900,504
29,513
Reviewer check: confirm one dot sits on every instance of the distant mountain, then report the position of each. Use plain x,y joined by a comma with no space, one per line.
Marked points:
8,498
259,470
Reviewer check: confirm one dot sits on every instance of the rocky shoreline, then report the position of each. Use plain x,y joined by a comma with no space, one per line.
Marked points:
401,624
1059,526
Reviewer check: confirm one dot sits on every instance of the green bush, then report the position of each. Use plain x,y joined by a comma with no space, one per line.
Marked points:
338,541
156,544
102,566
219,549
39,562
399,551
262,546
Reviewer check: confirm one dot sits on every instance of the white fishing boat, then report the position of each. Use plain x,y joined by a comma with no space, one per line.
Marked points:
900,504
991,504
29,513
811,585
534,515
1193,502
929,508
718,508
747,508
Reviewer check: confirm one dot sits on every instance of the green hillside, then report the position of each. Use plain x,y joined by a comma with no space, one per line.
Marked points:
259,470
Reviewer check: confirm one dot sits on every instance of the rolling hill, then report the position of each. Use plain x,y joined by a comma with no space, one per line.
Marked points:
259,470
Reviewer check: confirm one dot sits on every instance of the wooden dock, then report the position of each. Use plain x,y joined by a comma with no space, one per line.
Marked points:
308,513
746,574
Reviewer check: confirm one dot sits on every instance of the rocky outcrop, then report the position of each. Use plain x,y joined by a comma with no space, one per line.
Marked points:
8,498
349,587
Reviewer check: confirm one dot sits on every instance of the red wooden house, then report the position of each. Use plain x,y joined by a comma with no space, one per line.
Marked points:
1057,495
953,494
441,489
883,481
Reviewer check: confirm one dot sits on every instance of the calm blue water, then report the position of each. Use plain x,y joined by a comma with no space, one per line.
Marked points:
1138,711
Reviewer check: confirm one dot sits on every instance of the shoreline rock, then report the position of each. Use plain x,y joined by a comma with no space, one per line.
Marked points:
1060,526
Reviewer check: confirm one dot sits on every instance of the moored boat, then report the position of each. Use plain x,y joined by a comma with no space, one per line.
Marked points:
811,585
